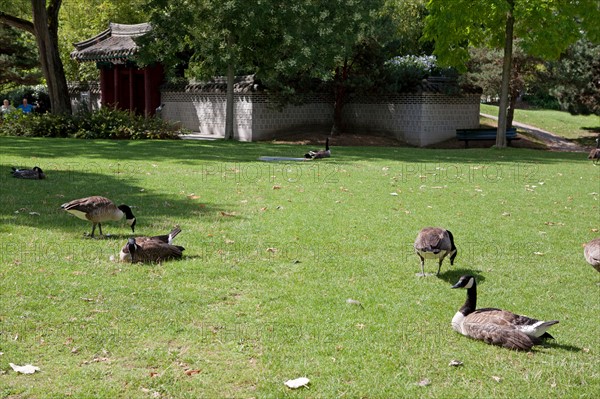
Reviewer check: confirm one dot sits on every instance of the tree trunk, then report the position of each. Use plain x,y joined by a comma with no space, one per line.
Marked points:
341,76
506,75
229,116
45,24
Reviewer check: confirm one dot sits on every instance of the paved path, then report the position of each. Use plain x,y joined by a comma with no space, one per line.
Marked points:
554,142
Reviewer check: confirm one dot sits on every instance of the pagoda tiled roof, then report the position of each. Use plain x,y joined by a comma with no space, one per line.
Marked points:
116,44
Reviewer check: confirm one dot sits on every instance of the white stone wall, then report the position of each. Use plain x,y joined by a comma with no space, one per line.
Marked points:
419,119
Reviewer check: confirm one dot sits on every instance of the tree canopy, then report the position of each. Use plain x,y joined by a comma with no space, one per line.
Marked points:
544,29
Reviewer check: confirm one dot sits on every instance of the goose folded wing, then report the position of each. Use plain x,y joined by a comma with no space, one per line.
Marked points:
505,336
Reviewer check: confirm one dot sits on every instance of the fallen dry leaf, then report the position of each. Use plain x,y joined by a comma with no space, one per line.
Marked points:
424,382
193,196
297,383
192,372
27,369
227,213
455,363
272,250
496,378
276,187
351,301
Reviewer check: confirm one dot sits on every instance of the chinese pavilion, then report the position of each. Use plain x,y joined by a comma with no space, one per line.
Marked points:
122,83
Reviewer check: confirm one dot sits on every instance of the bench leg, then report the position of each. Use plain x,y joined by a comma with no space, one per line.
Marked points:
466,143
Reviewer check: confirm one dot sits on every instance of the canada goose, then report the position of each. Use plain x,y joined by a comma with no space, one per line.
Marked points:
591,251
435,243
98,210
36,173
595,153
151,249
316,154
496,326
125,255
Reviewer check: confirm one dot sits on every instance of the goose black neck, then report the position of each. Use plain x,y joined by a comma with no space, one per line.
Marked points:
471,302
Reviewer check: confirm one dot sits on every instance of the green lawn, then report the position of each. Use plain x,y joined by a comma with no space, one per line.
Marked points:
574,127
273,251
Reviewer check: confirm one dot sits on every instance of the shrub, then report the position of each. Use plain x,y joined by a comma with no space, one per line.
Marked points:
406,72
107,123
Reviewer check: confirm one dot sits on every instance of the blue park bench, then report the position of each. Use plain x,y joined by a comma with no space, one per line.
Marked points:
467,135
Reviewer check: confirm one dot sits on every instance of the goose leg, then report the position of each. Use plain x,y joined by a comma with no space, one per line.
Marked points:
422,266
440,266
93,229
100,228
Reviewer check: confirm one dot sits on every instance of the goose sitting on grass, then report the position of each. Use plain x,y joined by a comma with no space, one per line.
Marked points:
151,249
435,243
97,210
316,154
497,326
33,174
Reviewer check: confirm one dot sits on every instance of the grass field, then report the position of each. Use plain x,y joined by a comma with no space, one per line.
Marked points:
273,251
581,128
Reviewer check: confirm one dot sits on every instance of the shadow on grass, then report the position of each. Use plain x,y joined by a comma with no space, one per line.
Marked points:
451,276
36,203
568,348
194,152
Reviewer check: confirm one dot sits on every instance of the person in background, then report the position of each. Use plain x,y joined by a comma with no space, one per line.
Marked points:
25,107
6,108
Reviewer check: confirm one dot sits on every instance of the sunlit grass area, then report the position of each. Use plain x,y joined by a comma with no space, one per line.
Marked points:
273,251
573,127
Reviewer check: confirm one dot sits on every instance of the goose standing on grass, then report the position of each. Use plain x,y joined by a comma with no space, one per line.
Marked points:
591,251
595,153
98,210
497,326
316,154
151,249
435,243
34,174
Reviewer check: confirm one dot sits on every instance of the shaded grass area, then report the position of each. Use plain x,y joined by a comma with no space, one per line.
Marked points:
273,250
582,129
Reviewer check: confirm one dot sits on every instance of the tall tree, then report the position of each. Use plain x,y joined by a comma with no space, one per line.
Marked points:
301,40
44,26
545,29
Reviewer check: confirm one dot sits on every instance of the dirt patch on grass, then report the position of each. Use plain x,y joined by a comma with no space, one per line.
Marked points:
317,139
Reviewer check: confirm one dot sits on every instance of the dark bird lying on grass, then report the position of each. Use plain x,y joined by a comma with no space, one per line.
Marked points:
98,210
35,174
595,153
316,154
435,243
591,251
497,326
152,249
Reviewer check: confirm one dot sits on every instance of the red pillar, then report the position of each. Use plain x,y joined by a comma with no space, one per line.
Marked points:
131,94
147,93
116,86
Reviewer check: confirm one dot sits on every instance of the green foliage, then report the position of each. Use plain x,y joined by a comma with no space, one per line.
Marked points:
106,123
406,72
574,80
545,29
19,63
